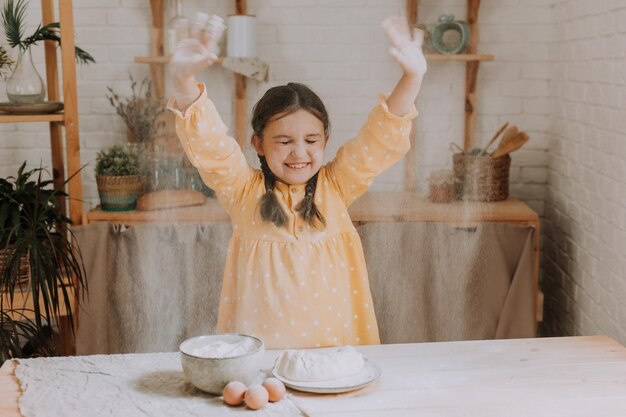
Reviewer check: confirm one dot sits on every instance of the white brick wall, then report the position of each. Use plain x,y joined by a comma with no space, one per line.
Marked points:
584,259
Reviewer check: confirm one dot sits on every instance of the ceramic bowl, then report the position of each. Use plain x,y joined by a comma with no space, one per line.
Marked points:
212,374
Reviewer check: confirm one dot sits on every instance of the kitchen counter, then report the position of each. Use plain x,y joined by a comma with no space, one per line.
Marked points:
573,376
370,207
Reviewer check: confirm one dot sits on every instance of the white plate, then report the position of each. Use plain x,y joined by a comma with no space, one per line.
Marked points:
370,373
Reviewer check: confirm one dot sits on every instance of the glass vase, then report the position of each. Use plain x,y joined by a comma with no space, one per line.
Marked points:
25,84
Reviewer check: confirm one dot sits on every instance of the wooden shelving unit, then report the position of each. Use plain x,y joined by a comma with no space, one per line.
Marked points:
68,118
59,123
471,59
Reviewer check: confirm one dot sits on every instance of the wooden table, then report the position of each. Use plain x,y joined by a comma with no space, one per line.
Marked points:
573,376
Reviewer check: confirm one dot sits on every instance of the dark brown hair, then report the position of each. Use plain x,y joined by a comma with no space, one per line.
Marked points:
284,100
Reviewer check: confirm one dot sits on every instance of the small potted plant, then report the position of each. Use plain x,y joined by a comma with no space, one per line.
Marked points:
117,176
38,257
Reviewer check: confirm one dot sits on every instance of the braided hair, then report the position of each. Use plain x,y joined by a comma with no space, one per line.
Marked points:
284,100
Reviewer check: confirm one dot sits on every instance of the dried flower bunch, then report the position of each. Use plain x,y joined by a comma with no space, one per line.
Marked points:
140,111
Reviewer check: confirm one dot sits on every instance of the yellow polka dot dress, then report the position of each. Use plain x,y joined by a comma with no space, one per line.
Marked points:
294,287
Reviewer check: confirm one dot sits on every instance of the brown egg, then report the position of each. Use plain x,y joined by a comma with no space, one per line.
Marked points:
256,397
275,389
234,392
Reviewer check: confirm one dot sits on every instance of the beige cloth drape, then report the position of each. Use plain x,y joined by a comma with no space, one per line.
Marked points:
432,282
151,286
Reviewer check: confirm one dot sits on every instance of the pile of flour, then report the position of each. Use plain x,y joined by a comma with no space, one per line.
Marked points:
221,349
307,366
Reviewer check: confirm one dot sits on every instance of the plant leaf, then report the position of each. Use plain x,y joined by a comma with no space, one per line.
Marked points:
13,22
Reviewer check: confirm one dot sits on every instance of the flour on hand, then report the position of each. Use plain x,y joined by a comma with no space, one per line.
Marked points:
307,366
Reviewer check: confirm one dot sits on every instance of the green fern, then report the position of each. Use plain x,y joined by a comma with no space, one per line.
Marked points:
13,20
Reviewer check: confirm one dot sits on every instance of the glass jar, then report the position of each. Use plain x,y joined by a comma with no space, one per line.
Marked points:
441,186
25,84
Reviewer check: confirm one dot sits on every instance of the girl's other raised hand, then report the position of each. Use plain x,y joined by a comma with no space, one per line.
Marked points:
406,49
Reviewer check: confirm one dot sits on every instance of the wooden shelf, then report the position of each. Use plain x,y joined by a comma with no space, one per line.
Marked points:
152,59
460,57
371,207
161,59
23,302
23,118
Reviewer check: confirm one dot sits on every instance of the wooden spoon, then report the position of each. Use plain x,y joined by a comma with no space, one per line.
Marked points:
512,144
483,151
509,133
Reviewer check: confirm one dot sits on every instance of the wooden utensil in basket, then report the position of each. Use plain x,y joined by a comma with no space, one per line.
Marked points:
483,151
510,144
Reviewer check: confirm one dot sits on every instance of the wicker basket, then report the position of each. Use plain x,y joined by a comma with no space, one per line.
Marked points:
481,178
118,193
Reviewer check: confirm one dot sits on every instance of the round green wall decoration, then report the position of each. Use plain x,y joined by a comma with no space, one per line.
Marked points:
446,44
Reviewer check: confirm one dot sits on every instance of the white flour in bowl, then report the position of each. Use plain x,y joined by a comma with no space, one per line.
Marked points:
221,349
307,366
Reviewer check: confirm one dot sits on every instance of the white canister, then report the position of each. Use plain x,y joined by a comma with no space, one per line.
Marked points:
241,41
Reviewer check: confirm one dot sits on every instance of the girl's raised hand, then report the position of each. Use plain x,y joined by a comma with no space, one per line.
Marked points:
190,56
406,49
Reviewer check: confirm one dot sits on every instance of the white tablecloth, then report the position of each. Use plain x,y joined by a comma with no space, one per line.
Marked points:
123,385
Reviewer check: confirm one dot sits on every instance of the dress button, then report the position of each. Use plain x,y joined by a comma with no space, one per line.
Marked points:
300,229
294,190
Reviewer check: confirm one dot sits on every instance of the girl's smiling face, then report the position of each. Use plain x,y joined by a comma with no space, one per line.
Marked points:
293,146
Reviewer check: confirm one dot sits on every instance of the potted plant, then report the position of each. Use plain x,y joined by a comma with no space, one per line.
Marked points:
25,84
117,175
35,240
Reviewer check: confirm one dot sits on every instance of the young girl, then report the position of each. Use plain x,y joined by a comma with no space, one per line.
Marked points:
295,272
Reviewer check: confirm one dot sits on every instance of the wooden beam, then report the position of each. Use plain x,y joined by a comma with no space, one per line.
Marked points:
241,104
242,6
472,21
241,93
52,82
410,162
412,12
70,99
157,72
471,72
